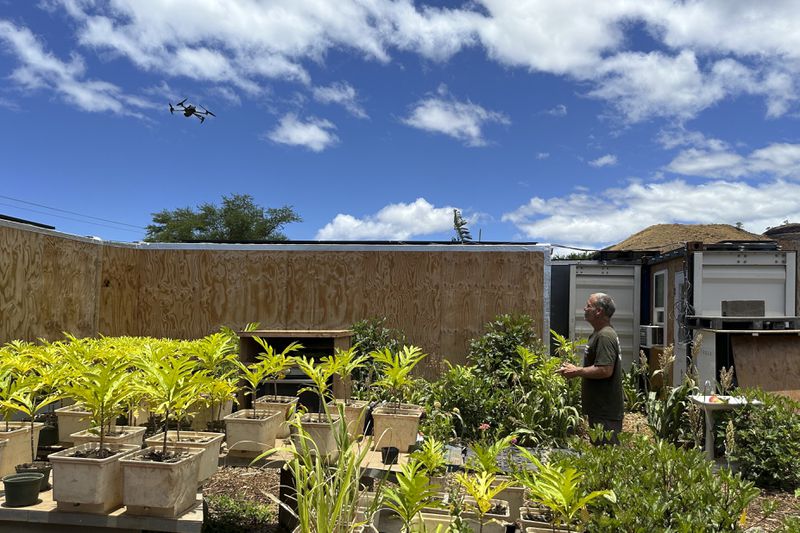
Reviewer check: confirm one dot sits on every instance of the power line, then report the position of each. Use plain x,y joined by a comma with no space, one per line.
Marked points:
70,212
68,218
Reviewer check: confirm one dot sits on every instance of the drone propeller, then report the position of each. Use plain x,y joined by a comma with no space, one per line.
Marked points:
202,118
207,111
182,102
171,109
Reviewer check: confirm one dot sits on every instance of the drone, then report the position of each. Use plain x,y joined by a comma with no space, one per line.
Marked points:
189,110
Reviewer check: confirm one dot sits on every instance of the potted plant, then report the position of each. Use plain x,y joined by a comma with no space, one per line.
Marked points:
405,502
162,480
558,490
343,363
253,431
485,458
431,456
396,424
320,427
482,489
31,397
88,478
13,435
276,365
217,355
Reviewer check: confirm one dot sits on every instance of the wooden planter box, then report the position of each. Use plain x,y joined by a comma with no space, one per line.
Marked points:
85,485
208,442
396,427
158,489
281,404
125,435
249,437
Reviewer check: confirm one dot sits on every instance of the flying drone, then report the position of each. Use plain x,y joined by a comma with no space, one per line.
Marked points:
189,110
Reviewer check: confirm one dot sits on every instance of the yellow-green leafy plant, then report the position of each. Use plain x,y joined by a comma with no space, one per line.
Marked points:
253,375
558,489
431,456
396,368
171,385
102,386
275,364
29,398
343,363
486,454
320,374
482,487
412,494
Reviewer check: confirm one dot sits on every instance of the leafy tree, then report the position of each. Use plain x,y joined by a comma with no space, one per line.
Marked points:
460,227
237,219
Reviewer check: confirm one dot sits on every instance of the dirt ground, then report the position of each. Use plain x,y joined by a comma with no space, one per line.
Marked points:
254,484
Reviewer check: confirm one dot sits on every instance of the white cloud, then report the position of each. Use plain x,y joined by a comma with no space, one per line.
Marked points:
779,159
394,222
542,155
608,160
40,69
313,133
595,220
558,111
461,120
343,94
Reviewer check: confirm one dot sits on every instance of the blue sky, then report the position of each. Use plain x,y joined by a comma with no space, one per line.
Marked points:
569,122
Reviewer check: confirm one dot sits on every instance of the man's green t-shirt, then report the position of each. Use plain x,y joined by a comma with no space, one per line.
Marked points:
603,398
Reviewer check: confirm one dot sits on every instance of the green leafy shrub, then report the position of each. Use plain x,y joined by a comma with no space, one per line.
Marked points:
230,515
372,335
496,350
660,487
768,441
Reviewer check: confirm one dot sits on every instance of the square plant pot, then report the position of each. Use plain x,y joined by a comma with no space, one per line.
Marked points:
322,434
278,403
249,437
514,495
161,489
118,435
88,485
398,427
493,522
17,449
209,443
72,419
204,416
354,415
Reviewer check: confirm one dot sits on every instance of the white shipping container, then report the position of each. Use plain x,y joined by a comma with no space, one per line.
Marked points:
754,275
622,283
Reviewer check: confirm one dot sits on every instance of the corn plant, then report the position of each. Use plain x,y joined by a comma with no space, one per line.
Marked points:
396,370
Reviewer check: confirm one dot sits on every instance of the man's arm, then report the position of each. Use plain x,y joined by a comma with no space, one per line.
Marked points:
570,371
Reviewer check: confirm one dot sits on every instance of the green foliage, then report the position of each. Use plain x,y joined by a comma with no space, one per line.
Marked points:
412,493
482,487
496,350
431,457
558,488
231,515
660,487
372,335
768,441
668,416
395,368
238,219
460,227
487,453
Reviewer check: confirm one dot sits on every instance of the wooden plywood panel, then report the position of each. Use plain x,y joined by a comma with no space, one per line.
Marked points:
462,316
119,292
48,284
769,362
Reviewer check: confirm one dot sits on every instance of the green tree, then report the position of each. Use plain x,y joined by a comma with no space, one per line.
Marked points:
237,219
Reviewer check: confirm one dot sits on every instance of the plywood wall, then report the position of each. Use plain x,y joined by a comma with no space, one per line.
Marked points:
48,285
440,298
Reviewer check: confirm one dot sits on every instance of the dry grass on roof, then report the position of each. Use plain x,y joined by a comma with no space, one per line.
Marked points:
666,237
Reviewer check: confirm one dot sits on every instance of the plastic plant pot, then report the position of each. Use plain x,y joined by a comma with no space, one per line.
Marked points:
389,455
42,467
22,489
